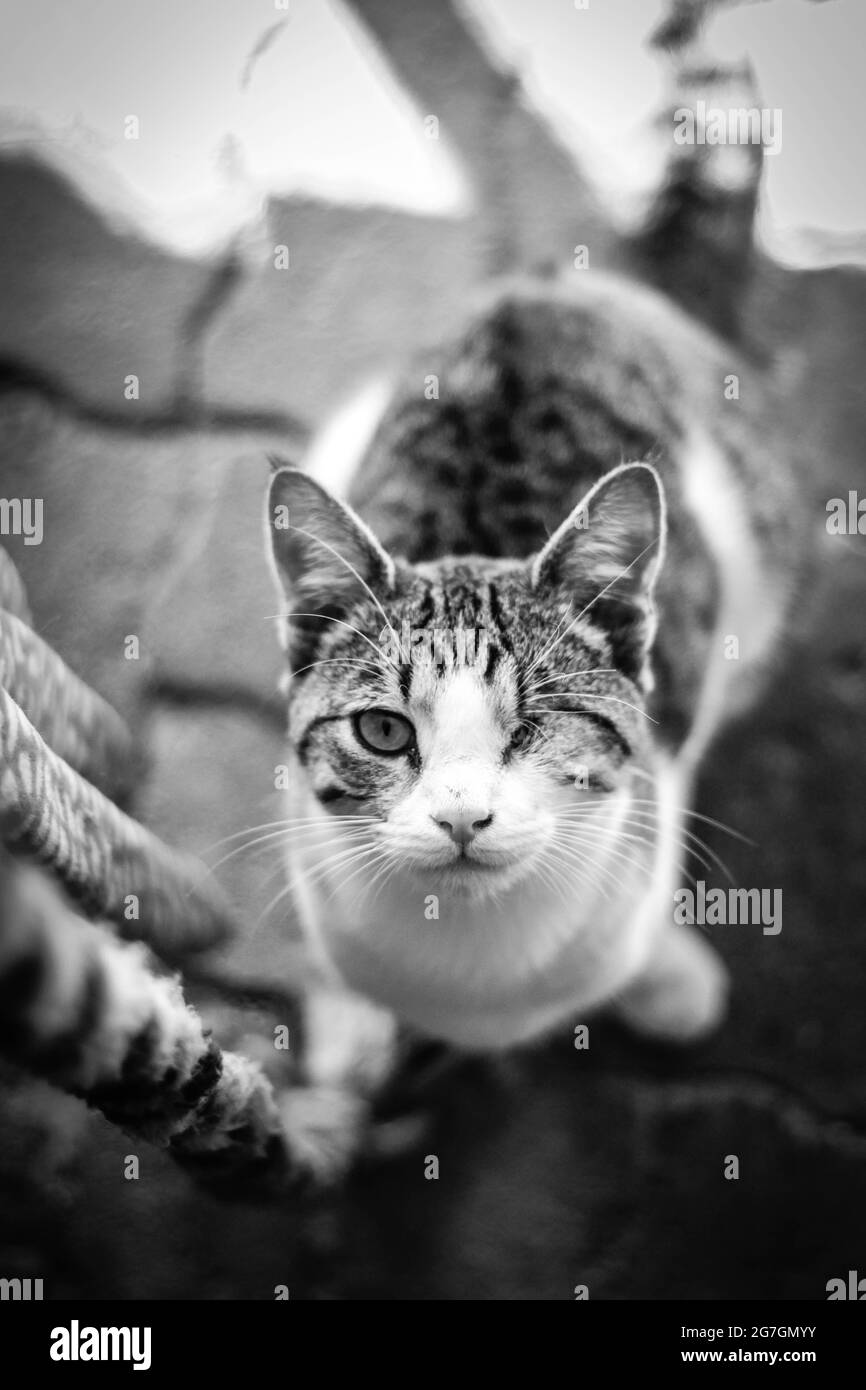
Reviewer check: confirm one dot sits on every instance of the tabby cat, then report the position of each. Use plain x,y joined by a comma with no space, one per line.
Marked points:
554,584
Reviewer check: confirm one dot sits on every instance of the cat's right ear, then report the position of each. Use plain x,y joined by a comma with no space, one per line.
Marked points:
607,555
324,558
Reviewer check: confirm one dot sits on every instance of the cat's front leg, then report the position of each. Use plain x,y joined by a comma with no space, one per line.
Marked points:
681,994
349,1055
349,1042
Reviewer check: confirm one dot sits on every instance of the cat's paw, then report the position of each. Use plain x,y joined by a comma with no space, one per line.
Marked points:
325,1128
351,1043
682,997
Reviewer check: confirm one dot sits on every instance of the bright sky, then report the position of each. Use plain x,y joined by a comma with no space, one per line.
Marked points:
320,112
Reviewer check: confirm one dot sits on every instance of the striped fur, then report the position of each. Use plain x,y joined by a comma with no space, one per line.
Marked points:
570,741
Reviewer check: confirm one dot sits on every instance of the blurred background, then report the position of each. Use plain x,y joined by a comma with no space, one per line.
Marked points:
253,209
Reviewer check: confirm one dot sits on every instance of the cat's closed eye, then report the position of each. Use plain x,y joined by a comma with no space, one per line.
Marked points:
383,731
522,737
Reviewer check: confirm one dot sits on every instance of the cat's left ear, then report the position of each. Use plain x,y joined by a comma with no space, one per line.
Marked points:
607,556
324,557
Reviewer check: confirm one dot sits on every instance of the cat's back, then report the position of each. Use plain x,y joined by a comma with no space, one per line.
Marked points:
490,438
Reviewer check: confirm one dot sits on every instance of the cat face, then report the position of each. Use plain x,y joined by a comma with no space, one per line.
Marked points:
473,717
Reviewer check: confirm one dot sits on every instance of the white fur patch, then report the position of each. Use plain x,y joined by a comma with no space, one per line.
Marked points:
337,449
749,609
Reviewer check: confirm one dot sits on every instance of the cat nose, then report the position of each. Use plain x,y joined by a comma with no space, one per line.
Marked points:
463,826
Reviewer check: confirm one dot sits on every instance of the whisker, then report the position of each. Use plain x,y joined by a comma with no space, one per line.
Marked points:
590,842
687,811
351,568
288,821
286,889
617,577
531,722
586,868
567,675
568,837
379,851
699,849
602,835
650,809
250,830
340,661
634,862
287,833
391,865
555,883
587,695
315,872
326,618
644,819
580,865
537,662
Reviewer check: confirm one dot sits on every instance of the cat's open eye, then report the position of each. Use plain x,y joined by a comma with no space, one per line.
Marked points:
383,731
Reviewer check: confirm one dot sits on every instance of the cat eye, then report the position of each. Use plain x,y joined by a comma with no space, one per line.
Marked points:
521,737
382,731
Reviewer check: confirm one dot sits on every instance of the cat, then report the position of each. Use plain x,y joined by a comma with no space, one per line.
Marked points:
490,826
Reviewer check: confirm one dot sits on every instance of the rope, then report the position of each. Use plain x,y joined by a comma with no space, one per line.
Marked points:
90,1014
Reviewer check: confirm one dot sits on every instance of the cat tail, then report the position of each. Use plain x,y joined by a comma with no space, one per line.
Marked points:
695,238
